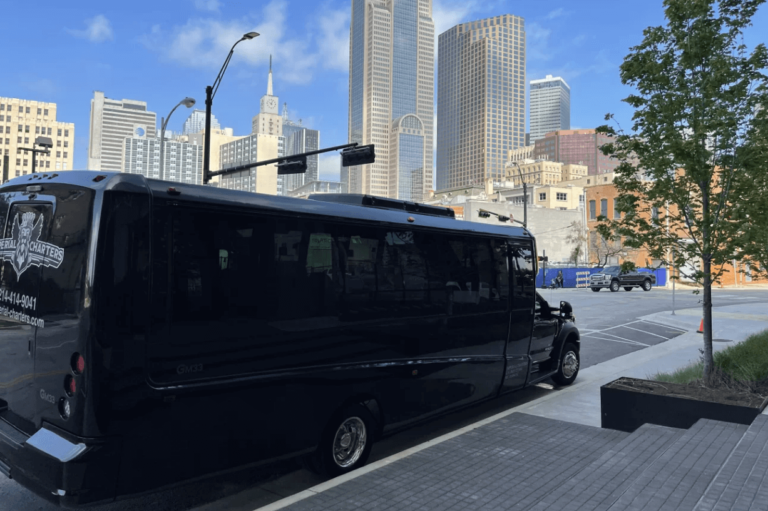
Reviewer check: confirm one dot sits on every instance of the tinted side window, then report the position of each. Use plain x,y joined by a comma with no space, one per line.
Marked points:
523,289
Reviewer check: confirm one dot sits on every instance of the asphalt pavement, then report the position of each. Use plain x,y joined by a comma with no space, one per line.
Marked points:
611,327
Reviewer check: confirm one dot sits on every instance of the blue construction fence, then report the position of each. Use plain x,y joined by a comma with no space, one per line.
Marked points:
570,275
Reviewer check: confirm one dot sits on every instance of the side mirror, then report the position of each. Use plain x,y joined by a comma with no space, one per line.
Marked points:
566,310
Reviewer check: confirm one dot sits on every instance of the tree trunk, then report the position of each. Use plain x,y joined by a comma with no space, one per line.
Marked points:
709,362
708,357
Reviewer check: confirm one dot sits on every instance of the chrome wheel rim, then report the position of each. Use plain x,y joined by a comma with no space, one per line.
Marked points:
647,285
570,364
615,286
349,442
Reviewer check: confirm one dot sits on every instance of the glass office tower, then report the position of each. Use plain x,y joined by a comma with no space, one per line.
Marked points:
480,99
550,106
391,85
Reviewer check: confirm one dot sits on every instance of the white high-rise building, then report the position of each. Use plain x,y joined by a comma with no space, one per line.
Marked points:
113,121
195,123
550,106
183,160
391,96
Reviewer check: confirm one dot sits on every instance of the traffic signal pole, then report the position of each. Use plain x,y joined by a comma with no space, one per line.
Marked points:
353,154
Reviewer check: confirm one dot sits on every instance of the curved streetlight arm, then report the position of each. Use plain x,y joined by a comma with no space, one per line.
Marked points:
217,81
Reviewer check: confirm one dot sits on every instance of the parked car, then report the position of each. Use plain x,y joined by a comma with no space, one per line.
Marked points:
613,278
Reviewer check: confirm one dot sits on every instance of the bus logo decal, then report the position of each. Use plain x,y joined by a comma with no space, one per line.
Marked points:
24,248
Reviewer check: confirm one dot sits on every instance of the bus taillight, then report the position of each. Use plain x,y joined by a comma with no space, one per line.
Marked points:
70,385
78,363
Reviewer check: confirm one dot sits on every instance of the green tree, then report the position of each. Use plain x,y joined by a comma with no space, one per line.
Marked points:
694,140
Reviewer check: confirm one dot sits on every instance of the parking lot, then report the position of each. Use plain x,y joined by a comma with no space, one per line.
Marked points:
610,327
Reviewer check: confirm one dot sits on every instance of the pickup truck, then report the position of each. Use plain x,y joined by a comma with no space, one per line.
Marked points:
613,278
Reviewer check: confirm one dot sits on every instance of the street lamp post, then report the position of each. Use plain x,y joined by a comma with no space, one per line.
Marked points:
210,92
44,142
525,194
187,102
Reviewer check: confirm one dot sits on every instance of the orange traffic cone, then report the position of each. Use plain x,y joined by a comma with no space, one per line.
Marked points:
701,327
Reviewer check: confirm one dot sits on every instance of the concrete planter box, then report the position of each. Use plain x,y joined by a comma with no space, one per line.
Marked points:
625,409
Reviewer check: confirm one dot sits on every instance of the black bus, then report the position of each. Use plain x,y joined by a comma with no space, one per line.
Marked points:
153,333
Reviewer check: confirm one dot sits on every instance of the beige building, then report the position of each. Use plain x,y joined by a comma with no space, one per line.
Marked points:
572,171
557,196
253,148
594,180
480,99
391,96
540,172
521,154
219,137
21,122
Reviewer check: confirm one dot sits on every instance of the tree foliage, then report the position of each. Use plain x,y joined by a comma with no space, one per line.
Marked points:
696,142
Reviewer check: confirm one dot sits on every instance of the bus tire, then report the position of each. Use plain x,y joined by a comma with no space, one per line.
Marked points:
346,442
568,365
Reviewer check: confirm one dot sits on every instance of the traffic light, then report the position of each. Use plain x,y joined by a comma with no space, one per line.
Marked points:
483,214
361,155
296,165
543,258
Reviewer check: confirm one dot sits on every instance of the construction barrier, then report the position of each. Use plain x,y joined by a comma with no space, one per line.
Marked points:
579,277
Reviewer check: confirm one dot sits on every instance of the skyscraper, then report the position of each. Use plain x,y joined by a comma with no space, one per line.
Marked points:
480,99
195,123
391,95
183,160
550,106
113,121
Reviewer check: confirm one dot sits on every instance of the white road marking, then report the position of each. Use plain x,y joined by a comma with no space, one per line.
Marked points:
648,333
619,340
665,326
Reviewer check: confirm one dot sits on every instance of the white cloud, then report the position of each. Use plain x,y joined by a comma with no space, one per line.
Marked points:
43,87
206,42
555,14
98,29
448,13
329,167
207,5
333,43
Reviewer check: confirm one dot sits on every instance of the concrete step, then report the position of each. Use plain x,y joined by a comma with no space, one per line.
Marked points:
602,483
679,477
742,483
511,463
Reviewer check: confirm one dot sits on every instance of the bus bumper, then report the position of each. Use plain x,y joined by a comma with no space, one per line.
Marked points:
61,468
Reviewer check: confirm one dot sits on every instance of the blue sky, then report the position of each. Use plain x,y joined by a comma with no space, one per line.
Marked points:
163,50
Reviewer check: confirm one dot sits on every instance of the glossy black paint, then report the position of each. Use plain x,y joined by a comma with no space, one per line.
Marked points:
166,397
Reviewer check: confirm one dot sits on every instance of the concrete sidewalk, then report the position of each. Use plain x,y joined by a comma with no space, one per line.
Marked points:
580,403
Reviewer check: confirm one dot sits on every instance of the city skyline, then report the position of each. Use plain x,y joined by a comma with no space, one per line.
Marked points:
118,51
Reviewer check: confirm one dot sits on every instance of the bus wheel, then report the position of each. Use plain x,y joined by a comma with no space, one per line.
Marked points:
569,365
347,442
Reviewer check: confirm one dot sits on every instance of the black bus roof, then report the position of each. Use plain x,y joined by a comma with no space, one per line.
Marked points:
101,181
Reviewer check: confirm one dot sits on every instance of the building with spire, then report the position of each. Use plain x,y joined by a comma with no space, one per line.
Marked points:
264,143
268,121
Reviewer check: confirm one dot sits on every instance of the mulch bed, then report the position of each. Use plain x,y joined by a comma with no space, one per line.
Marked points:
723,389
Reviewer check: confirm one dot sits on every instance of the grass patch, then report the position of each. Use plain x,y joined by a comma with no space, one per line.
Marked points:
744,362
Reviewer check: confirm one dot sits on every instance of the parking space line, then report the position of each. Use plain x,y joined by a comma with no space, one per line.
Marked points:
648,333
665,326
618,339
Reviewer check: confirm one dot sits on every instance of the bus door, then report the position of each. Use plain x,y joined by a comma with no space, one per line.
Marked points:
25,226
520,255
